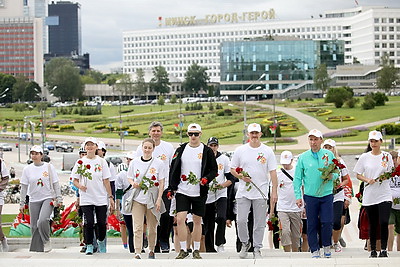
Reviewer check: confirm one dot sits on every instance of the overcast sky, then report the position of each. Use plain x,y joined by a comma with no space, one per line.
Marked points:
103,21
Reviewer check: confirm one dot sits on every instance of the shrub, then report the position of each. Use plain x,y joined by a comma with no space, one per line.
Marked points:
228,112
99,127
390,128
67,127
369,103
220,113
379,98
218,106
352,102
133,131
340,118
323,112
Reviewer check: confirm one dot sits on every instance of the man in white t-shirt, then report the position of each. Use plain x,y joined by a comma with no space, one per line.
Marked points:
289,213
164,151
255,161
101,152
193,167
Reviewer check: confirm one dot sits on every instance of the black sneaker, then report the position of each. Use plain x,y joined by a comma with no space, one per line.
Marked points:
182,255
196,254
83,249
373,254
383,254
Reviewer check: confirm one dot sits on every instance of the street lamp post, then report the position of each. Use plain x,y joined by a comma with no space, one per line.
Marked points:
244,107
3,94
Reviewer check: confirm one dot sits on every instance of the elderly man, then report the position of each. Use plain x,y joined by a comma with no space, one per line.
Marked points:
163,151
193,167
318,191
251,163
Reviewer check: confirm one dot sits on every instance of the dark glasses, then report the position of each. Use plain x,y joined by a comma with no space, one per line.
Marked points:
195,134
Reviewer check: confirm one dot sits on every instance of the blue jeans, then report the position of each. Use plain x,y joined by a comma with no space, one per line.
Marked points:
319,217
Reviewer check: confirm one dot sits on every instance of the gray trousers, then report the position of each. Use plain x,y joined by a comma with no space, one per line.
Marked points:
40,224
259,216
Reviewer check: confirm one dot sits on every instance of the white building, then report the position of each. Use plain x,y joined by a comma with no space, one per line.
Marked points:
368,32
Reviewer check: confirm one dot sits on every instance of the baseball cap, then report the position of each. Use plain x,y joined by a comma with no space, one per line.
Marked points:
36,148
194,127
286,157
330,142
212,140
254,127
315,133
130,155
375,135
91,139
101,145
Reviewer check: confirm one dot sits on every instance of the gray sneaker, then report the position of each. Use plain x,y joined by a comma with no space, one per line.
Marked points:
342,242
257,253
244,250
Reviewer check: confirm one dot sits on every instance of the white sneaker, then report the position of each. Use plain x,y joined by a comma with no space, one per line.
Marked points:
337,247
47,246
315,254
220,249
257,253
4,245
327,252
243,252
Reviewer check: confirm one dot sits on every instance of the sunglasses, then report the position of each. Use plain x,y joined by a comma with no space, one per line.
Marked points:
195,134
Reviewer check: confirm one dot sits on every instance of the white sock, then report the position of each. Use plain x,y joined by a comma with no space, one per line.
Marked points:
196,245
183,245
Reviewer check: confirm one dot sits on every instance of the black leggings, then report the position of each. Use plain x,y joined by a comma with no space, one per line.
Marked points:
101,217
379,213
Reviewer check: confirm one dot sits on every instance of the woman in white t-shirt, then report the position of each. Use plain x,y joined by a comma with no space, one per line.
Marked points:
340,201
394,219
36,182
92,177
377,197
146,174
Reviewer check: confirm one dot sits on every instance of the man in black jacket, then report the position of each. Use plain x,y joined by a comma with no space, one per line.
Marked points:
193,167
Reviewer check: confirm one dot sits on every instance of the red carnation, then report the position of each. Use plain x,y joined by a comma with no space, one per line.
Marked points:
184,178
270,225
26,207
51,203
156,184
335,161
153,178
80,162
170,194
203,181
239,170
88,167
74,224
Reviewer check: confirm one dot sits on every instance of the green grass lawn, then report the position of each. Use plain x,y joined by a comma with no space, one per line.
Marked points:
7,218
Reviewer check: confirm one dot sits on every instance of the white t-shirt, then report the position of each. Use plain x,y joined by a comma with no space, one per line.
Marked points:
122,183
343,172
96,193
164,151
371,166
395,188
191,162
4,170
113,172
257,162
286,196
137,169
38,181
223,167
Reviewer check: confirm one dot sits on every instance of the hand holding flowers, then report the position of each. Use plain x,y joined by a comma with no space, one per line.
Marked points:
83,170
249,183
388,175
148,183
215,186
193,180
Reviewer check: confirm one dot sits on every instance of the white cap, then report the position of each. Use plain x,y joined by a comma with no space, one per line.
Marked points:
286,157
194,127
90,139
315,133
254,127
131,155
330,142
101,145
36,148
375,135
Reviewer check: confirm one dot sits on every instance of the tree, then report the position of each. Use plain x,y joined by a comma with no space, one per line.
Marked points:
97,76
125,85
173,99
196,78
339,95
160,81
32,92
64,74
321,78
161,101
388,75
19,88
6,81
140,84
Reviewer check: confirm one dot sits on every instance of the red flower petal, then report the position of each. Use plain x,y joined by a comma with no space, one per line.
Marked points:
153,178
88,167
80,162
156,184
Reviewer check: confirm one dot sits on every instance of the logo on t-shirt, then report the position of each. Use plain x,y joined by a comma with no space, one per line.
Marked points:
200,155
152,170
162,157
220,166
385,160
261,158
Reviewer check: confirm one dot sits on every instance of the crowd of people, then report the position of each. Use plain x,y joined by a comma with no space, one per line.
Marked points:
189,196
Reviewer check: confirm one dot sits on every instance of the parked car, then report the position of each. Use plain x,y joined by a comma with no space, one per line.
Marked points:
5,147
49,145
64,147
114,159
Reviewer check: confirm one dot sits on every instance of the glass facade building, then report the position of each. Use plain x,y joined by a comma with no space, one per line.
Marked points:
284,62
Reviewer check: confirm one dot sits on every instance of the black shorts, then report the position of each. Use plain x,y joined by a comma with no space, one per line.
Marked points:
196,204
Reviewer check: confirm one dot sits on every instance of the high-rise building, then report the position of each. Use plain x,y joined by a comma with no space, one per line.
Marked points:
38,9
65,38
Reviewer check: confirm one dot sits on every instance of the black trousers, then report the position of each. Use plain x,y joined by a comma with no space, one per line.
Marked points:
165,228
129,227
379,213
101,217
215,213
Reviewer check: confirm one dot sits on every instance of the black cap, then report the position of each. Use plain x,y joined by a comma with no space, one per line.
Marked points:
212,140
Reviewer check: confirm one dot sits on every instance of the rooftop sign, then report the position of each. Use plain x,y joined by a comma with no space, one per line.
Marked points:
219,18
